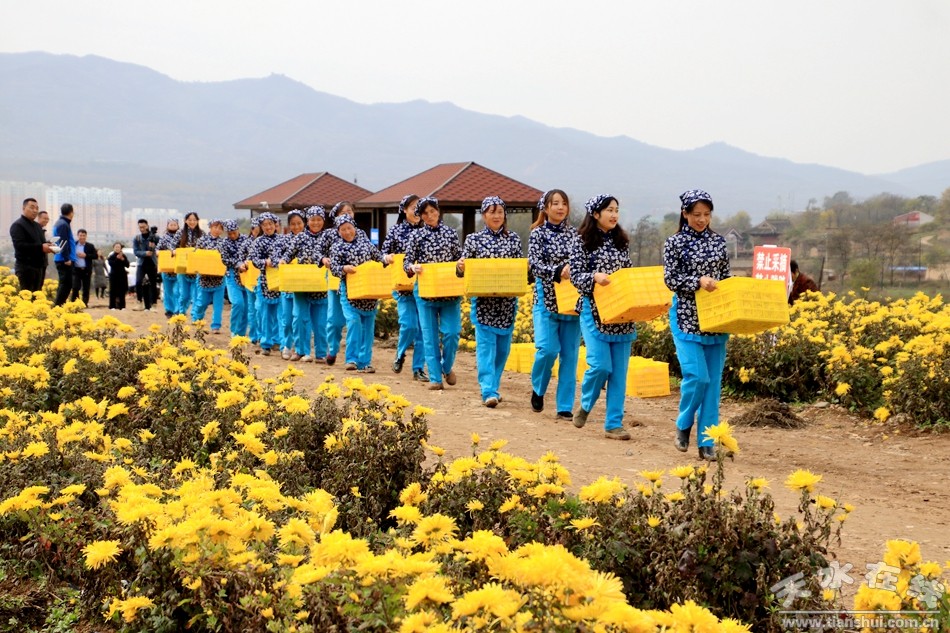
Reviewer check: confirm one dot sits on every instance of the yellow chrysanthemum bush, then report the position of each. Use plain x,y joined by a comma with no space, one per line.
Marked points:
903,592
873,358
665,543
524,322
387,319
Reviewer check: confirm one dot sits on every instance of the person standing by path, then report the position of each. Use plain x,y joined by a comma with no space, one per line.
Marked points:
118,277
146,273
696,257
65,259
86,253
29,247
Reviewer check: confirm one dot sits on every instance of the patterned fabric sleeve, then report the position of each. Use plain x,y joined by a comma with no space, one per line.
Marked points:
678,275
581,274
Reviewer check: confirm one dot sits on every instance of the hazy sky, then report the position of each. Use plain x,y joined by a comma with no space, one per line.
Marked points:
858,84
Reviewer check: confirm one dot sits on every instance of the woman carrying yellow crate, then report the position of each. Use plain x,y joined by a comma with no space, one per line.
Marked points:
188,238
310,308
602,250
265,253
288,317
253,318
696,257
210,287
410,333
347,253
233,257
556,336
493,317
169,242
335,317
439,317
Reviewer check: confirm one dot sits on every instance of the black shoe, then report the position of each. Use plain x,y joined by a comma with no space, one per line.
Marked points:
330,359
682,440
708,453
537,403
169,314
397,364
564,415
420,375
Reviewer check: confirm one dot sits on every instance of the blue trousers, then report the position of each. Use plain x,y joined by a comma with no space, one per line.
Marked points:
360,332
310,323
441,324
702,382
608,358
335,322
186,292
253,316
269,320
239,304
492,347
214,296
287,320
409,331
555,337
170,292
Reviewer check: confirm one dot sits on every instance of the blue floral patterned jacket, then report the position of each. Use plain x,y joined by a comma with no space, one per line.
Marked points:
210,243
431,245
266,247
496,312
607,258
354,253
549,251
687,256
397,239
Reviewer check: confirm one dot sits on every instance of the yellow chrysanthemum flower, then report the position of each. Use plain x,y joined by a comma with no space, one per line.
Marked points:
802,480
99,553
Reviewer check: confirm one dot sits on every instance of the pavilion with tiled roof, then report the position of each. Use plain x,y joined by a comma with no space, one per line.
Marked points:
304,191
459,187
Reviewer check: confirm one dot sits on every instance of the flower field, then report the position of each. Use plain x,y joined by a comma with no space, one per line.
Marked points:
157,484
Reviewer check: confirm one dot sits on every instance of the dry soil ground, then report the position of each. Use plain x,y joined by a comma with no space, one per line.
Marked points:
898,479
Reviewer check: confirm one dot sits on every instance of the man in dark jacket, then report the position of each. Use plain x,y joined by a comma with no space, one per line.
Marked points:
65,259
29,247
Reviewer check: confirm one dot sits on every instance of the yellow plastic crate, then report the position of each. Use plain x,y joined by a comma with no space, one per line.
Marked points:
567,297
181,258
647,378
439,281
743,305
205,261
502,277
273,278
581,362
250,277
401,281
302,278
369,281
166,262
634,294
333,283
520,358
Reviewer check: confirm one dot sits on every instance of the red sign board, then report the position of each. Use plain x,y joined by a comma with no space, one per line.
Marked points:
772,262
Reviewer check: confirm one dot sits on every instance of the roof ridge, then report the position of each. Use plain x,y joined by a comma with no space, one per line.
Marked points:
319,175
455,175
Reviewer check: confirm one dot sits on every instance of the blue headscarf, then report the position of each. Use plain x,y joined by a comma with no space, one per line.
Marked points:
598,203
267,215
492,201
230,225
691,197
316,211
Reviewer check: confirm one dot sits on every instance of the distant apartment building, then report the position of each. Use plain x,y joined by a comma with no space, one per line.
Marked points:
154,216
98,209
12,195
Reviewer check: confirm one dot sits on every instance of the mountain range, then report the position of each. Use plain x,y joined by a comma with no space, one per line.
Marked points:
91,121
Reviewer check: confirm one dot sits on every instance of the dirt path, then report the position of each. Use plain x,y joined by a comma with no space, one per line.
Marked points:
898,482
